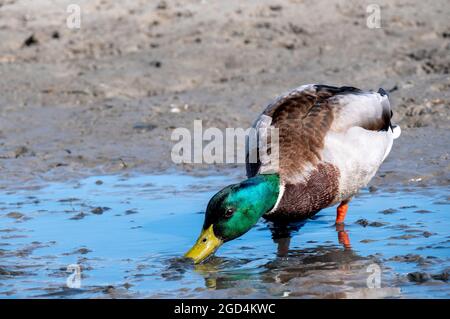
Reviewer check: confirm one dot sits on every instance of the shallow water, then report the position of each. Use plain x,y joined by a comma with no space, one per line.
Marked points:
127,235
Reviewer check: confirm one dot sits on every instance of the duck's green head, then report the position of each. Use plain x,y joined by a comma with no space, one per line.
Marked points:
233,211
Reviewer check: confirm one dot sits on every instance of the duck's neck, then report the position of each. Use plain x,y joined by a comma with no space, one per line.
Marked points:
264,195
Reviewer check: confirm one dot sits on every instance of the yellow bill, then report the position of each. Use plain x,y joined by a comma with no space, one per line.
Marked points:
207,243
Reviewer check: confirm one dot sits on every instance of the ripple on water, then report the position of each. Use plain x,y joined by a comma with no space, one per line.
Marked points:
127,236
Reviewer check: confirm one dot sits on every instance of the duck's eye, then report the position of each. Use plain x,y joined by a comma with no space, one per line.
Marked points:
229,212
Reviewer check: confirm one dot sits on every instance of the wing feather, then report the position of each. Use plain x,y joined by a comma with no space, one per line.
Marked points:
305,115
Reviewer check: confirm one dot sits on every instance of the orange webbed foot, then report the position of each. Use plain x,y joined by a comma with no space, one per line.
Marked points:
341,212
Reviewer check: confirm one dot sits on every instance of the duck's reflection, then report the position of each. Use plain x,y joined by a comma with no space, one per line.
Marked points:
328,270
343,236
283,232
291,263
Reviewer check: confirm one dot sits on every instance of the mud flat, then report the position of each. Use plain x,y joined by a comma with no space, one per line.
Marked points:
105,98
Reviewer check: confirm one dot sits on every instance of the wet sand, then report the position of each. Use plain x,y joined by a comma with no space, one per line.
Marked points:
105,98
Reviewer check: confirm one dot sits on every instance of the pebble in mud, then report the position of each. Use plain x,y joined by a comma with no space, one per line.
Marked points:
9,230
15,215
78,216
16,153
404,237
414,258
69,200
367,241
418,276
162,5
442,276
81,251
144,127
156,64
421,277
55,35
422,211
364,222
7,272
408,206
118,292
99,210
372,189
389,211
30,41
275,7
427,234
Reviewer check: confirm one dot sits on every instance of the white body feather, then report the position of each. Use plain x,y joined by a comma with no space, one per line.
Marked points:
357,152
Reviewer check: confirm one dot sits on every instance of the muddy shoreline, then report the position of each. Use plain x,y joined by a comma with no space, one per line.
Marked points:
104,99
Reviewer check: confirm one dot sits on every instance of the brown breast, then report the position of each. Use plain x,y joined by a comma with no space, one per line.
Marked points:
303,200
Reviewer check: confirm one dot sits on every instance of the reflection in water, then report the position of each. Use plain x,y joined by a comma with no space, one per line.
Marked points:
343,237
330,271
282,234
320,272
280,273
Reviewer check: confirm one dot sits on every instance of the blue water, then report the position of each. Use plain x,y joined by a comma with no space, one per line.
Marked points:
133,248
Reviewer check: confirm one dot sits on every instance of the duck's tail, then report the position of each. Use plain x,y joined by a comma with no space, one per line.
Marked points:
396,130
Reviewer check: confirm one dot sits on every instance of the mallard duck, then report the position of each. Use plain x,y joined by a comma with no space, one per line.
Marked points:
332,140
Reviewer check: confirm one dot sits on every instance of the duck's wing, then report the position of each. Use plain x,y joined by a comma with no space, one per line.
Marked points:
304,118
